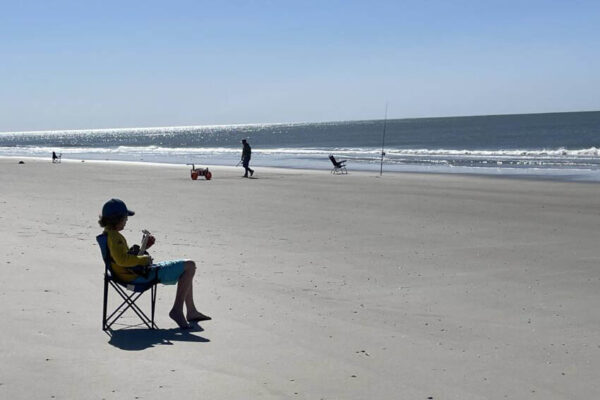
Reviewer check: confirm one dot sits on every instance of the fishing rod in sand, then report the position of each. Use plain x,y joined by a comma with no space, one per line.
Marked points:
383,141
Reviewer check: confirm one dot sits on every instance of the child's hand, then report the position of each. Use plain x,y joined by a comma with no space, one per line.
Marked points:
151,241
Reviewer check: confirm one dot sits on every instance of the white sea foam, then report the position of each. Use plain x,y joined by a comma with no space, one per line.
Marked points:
592,152
560,152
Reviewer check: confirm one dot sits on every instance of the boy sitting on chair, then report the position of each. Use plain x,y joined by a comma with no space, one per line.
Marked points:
126,266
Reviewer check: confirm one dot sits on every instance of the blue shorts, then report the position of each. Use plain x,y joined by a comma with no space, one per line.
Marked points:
168,272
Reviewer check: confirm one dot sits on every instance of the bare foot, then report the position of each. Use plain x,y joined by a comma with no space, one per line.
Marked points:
179,318
197,316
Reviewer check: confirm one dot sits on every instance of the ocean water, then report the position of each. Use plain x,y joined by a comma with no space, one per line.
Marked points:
555,145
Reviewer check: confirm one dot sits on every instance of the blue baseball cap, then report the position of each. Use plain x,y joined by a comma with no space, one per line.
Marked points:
115,208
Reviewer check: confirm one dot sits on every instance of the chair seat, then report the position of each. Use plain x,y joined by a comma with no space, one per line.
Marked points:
133,287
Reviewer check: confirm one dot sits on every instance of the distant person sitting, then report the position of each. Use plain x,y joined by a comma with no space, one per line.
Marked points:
136,268
246,155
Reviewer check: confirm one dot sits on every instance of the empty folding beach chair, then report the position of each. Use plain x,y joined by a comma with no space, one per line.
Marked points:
339,167
128,292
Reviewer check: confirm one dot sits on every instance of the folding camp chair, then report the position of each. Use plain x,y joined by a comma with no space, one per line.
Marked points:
120,287
339,167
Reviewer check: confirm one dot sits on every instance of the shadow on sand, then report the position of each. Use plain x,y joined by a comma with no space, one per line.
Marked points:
141,339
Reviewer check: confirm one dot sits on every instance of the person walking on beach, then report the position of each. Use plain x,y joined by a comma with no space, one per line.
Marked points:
246,154
125,265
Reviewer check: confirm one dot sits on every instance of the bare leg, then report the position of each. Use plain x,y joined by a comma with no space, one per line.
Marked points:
183,287
189,303
193,315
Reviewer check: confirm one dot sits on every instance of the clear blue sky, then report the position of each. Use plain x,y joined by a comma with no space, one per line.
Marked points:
103,64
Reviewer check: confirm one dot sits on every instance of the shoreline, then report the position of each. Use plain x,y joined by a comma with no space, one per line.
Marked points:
583,176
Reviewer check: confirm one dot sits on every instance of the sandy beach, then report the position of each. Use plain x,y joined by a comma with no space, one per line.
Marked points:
409,286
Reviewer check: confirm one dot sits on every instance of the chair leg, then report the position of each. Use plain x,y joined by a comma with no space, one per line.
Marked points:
104,327
153,304
129,302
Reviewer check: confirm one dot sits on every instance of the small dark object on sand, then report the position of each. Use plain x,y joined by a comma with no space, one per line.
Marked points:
21,162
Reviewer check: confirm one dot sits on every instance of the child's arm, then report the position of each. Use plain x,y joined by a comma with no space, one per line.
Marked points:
117,245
